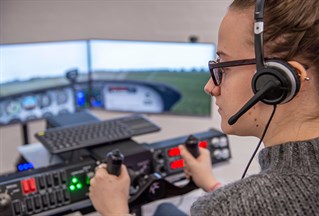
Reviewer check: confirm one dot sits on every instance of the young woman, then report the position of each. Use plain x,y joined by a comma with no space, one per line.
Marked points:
288,181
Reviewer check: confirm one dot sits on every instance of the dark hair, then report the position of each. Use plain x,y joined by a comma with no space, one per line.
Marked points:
291,29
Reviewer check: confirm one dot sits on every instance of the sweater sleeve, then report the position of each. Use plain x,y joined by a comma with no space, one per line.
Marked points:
262,195
213,203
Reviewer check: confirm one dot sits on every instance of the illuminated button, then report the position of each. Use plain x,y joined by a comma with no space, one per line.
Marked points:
72,188
33,186
173,152
203,144
79,186
25,186
89,175
76,184
24,166
75,180
177,164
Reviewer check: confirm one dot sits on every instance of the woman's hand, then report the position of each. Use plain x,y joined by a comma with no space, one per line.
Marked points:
109,193
200,169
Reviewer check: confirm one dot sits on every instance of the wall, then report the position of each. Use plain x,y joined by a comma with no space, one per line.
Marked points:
165,20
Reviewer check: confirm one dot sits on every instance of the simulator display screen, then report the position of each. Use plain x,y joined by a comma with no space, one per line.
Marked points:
28,67
35,82
39,80
153,76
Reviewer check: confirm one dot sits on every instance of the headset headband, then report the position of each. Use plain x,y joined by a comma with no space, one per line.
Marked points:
258,34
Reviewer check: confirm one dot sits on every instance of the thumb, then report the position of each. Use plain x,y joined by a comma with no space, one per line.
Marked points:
124,171
203,151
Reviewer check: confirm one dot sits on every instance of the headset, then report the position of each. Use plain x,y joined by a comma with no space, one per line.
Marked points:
275,81
278,71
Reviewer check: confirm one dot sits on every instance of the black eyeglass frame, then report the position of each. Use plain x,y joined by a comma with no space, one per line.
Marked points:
217,75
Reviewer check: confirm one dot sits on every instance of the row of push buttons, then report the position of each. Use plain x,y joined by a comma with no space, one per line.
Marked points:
50,180
37,203
39,195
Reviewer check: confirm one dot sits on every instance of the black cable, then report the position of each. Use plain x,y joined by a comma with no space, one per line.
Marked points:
260,141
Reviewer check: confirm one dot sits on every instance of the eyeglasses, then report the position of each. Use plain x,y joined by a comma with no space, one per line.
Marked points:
216,68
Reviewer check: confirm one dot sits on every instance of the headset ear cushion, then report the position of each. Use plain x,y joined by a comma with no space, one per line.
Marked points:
281,73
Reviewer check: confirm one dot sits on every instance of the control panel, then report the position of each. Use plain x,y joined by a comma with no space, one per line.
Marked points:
64,187
46,191
167,160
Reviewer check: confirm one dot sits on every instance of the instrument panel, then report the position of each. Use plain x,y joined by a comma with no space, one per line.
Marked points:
130,96
36,105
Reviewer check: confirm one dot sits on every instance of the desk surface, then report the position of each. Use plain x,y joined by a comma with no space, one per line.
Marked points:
38,155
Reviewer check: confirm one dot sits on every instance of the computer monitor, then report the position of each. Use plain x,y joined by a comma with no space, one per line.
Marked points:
35,79
151,77
38,80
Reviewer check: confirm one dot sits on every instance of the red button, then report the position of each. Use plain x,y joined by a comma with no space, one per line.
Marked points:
173,152
25,186
32,184
203,144
177,164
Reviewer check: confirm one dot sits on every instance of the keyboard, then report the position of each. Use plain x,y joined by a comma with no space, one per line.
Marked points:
72,137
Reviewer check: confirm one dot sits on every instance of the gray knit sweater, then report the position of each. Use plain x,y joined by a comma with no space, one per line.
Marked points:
288,184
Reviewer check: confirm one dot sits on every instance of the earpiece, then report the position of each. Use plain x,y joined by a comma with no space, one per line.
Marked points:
285,77
276,70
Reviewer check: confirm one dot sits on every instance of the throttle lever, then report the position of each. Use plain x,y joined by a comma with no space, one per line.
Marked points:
114,160
192,145
156,188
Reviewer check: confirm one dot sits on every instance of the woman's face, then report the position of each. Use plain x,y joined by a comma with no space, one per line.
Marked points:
235,42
